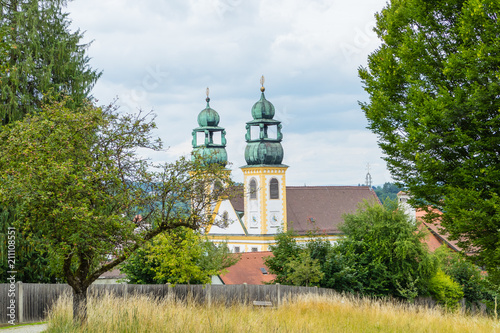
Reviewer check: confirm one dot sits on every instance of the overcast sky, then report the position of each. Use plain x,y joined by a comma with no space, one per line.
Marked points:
161,55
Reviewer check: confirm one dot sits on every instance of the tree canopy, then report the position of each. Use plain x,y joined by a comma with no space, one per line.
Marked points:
44,58
433,86
178,256
75,176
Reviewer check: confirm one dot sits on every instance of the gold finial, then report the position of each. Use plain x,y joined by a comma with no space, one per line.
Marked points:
208,93
262,80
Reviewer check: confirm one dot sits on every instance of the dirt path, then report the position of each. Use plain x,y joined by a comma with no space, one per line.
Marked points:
25,329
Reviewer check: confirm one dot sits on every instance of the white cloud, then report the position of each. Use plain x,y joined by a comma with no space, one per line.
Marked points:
161,55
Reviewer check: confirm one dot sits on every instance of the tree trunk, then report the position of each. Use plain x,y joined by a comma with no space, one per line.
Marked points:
80,306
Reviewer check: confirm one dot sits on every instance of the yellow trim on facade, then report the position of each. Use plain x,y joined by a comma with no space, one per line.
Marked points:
214,214
263,204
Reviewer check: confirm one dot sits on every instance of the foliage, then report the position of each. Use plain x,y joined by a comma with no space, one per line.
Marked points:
303,270
285,250
45,58
178,256
446,291
388,190
386,251
75,177
32,264
465,273
434,87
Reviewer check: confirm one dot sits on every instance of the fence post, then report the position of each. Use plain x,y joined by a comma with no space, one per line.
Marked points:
20,303
125,291
208,293
245,294
278,291
168,291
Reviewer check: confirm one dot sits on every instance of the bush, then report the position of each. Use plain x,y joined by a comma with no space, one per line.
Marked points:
446,291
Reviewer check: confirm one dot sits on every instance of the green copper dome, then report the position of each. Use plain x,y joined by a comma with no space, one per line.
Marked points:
212,146
208,116
264,142
268,153
211,155
263,109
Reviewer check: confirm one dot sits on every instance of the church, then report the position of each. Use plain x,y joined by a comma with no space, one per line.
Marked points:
264,205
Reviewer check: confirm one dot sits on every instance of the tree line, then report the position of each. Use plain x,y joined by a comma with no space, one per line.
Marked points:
382,254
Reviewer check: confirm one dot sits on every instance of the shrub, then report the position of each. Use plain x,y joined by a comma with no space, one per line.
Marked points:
446,291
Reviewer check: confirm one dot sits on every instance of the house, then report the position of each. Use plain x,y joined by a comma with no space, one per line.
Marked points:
436,235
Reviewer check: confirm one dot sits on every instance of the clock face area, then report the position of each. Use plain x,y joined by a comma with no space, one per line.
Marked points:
254,220
274,219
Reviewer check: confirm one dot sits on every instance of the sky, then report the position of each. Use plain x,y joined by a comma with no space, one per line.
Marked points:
162,55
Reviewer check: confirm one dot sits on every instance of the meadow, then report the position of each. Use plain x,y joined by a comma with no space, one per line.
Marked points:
302,314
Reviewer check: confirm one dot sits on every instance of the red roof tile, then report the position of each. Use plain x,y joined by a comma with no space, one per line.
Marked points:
248,270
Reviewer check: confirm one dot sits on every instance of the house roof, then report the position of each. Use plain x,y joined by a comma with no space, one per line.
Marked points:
248,270
437,232
322,207
237,199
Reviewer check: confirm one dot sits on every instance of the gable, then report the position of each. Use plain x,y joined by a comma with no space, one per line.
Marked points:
235,226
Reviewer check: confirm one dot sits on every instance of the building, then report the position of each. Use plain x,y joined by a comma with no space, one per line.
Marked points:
436,236
264,205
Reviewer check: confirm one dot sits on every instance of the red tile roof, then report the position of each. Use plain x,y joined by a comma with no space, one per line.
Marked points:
322,207
437,234
248,270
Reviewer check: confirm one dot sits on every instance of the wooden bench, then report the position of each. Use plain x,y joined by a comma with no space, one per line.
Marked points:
262,303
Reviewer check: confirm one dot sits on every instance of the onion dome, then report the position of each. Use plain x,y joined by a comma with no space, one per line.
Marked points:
208,116
263,109
209,140
265,149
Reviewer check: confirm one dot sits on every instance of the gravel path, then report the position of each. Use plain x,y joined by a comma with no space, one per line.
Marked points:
26,329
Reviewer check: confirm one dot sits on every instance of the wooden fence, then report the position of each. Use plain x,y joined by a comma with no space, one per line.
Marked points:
32,301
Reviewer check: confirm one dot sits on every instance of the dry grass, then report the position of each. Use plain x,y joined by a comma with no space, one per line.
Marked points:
304,314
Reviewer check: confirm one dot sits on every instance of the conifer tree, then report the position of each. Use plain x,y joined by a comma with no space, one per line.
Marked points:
46,59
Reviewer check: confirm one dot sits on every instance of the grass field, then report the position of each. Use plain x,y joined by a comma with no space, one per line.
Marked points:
305,314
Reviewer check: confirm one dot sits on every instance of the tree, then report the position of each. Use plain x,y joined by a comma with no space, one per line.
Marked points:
284,251
303,270
45,59
388,190
75,176
179,256
32,261
386,251
434,87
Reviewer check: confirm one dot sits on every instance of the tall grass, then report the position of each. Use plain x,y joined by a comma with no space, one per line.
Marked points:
303,314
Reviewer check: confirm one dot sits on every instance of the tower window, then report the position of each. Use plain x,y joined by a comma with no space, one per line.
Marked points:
253,189
274,189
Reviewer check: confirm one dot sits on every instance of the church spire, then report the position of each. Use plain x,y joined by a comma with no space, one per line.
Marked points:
209,140
264,148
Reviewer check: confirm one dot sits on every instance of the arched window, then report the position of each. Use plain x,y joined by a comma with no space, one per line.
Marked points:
274,189
253,189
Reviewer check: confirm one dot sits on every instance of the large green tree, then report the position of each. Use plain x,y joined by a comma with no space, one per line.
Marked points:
75,177
46,58
385,249
434,85
40,58
179,256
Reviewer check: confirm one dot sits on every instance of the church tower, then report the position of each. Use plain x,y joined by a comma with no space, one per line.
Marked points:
264,175
209,140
